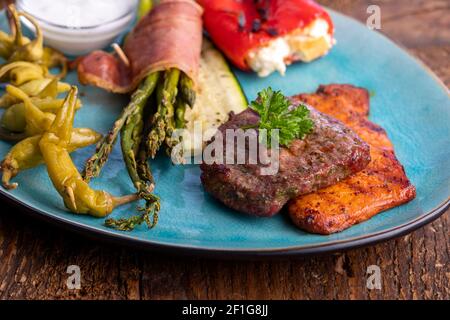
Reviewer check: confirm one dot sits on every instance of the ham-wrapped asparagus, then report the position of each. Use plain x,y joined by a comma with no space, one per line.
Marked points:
161,57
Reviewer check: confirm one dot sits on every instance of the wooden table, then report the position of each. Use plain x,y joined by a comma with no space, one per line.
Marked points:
34,256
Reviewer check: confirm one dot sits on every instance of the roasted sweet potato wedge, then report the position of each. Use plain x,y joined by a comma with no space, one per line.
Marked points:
381,186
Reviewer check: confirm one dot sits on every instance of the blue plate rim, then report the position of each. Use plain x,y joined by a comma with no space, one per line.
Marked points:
337,245
332,246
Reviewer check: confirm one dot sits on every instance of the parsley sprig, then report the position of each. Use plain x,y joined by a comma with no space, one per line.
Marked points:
277,112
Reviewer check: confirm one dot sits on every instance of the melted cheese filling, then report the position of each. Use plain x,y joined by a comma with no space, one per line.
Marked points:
305,45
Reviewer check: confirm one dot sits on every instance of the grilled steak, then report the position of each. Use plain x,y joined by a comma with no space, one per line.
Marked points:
329,154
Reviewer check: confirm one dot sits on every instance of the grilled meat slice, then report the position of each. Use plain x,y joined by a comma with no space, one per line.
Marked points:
382,185
329,154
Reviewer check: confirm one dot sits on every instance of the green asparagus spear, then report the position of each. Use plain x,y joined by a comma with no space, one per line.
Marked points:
178,122
187,91
134,154
165,95
170,142
131,137
186,97
137,166
180,111
129,224
95,163
143,168
170,127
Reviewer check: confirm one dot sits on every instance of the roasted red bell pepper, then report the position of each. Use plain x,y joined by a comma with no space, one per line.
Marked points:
238,26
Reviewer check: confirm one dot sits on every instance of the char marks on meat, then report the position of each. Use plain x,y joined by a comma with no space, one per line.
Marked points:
330,153
382,185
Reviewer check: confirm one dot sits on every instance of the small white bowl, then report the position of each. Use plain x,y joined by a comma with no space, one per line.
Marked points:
80,40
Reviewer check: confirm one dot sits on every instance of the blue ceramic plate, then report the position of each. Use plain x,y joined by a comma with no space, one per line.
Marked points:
408,101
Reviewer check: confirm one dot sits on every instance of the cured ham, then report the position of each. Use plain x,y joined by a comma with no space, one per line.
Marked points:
170,36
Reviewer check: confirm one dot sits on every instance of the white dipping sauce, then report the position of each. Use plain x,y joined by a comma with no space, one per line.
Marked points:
78,13
80,26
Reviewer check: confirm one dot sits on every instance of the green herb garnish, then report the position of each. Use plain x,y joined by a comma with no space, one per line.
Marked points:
277,112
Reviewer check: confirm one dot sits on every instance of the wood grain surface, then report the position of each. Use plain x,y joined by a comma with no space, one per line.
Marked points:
34,256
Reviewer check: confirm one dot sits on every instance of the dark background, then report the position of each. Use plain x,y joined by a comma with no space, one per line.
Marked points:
34,256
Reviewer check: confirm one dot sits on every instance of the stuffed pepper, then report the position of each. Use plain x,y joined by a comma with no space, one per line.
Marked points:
268,35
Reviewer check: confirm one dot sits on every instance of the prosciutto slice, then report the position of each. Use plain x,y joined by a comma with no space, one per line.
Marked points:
170,36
